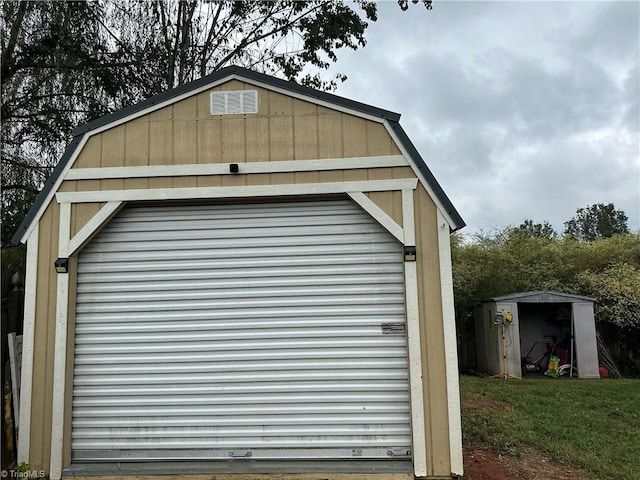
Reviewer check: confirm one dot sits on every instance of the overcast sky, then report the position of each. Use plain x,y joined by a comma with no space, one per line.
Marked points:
522,110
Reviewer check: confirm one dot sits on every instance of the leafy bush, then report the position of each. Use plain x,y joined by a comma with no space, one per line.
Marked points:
513,260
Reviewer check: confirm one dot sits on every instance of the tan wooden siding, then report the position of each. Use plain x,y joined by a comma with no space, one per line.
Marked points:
284,128
185,133
136,143
44,336
82,213
390,203
432,336
90,155
429,303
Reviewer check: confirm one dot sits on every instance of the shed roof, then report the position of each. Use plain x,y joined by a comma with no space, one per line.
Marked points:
216,78
544,296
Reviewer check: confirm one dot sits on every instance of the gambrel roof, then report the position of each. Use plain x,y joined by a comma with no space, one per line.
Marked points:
388,118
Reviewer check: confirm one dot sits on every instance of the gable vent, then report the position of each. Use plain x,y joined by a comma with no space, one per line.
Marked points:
234,102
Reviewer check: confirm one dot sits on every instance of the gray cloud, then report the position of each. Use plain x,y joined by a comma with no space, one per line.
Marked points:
611,35
631,109
521,110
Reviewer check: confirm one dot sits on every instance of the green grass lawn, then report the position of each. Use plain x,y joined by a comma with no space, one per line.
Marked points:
591,424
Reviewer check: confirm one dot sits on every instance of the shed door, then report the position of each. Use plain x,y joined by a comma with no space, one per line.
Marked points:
270,330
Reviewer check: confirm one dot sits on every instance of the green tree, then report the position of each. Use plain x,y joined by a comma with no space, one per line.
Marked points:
57,71
542,230
617,289
404,4
66,63
596,221
174,42
508,261
617,292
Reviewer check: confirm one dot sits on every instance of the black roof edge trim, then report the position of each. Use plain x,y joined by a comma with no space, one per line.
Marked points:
428,176
286,85
48,185
249,74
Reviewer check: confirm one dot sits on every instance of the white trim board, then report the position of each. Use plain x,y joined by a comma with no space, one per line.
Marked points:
158,106
418,173
240,78
15,364
450,345
60,347
244,168
416,390
170,101
103,215
236,192
307,98
388,223
54,189
67,246
26,381
210,85
85,137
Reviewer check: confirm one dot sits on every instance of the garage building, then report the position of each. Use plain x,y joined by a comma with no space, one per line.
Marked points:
241,275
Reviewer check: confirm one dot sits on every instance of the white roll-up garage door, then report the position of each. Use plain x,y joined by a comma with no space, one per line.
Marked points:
271,330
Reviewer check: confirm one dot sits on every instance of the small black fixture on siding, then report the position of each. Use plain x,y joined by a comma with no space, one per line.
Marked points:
62,265
409,253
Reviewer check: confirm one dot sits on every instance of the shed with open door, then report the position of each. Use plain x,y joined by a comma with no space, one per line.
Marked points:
517,334
241,275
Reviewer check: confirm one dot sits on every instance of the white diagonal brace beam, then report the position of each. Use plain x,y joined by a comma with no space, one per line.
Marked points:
378,214
99,219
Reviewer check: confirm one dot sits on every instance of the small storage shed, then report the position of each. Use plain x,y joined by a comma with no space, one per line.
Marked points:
237,271
536,324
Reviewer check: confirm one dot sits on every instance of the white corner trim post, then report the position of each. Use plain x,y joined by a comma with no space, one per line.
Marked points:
450,345
416,390
60,347
26,382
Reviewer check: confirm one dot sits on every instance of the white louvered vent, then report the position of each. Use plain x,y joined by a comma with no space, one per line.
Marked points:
234,102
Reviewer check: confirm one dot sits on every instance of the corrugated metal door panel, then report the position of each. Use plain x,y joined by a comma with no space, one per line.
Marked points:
245,330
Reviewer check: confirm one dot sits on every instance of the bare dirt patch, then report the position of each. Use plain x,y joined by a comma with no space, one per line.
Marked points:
482,403
484,463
